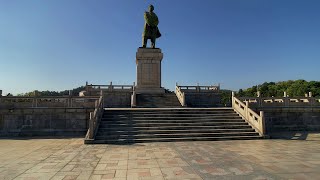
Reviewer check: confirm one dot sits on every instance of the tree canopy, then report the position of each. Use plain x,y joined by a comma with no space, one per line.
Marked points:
75,92
293,88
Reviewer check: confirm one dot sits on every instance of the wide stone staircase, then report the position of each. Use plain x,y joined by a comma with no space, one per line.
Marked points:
138,125
166,100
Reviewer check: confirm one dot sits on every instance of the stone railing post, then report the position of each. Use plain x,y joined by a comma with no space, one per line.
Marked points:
262,123
133,100
110,86
133,96
91,126
180,95
96,104
232,99
68,102
101,95
286,99
70,99
183,99
35,100
87,88
246,110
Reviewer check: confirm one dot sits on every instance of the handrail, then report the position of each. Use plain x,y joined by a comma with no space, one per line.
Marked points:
199,88
110,87
255,120
95,118
181,96
282,101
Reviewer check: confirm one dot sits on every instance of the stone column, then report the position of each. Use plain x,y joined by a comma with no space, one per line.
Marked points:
149,71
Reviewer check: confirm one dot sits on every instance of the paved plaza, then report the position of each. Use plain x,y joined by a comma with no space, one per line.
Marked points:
248,159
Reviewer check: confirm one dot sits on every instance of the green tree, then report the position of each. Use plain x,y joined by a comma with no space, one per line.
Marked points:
293,88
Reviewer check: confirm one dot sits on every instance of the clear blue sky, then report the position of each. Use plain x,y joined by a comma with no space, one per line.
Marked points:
59,44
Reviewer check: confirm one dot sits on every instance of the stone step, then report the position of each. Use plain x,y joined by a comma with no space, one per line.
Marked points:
172,124
168,110
169,114
161,110
154,105
173,128
131,131
176,120
173,118
179,121
131,141
169,128
182,135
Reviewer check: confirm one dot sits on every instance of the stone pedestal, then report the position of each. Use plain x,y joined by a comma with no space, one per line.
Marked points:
149,71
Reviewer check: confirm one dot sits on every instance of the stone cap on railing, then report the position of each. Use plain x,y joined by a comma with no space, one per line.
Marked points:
95,89
110,87
199,89
281,101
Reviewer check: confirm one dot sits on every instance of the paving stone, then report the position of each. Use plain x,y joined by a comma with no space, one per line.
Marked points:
247,159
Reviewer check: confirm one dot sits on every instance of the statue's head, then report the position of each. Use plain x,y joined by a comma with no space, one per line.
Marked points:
151,8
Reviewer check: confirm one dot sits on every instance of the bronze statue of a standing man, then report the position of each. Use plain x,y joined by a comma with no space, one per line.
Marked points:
151,30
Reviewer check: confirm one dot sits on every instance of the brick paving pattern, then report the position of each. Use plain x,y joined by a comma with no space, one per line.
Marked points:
58,159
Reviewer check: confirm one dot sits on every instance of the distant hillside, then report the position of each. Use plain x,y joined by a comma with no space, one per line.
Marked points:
293,88
75,92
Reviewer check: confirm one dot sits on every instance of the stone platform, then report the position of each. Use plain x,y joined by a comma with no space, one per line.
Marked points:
245,159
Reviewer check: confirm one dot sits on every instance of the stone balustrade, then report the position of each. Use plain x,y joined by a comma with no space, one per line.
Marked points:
181,96
198,96
199,89
257,121
281,101
111,87
47,101
95,118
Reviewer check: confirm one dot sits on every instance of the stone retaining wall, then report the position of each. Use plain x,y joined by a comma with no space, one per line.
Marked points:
203,99
117,99
280,119
44,121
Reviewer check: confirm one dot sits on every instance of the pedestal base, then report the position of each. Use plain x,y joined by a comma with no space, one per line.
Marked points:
149,71
149,90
